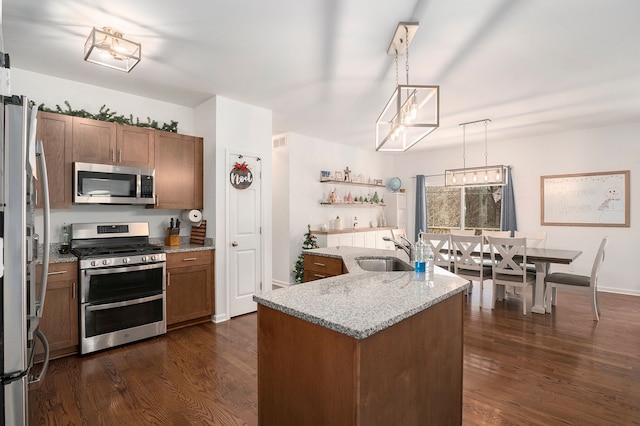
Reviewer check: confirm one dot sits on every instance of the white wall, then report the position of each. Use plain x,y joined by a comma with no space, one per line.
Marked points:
246,129
307,157
280,184
51,91
590,150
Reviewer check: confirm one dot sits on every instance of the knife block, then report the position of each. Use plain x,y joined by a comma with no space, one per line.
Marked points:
172,240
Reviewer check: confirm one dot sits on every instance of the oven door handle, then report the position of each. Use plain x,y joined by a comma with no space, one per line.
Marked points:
121,269
92,308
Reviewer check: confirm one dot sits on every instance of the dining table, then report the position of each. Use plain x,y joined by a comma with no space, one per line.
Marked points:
542,258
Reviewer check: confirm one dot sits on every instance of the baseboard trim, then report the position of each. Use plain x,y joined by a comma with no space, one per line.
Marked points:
625,291
220,318
281,283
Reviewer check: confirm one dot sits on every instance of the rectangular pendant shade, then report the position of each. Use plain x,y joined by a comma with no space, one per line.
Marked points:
108,48
411,114
476,176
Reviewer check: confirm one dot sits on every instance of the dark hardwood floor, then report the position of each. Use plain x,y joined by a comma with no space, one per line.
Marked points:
556,369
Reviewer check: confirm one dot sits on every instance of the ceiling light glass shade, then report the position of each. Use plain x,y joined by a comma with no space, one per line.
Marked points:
476,176
411,114
108,47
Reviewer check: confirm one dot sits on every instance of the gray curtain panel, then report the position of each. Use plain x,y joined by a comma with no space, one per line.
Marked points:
508,212
421,206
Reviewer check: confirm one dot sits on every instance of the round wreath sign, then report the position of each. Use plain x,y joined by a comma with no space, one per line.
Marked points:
240,176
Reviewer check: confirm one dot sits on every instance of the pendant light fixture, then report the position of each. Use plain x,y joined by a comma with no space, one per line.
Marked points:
476,176
109,48
413,111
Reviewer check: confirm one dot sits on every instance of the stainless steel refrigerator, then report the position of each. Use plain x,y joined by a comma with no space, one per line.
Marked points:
21,308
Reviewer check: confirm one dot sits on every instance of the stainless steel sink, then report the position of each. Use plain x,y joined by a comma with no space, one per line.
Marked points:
383,264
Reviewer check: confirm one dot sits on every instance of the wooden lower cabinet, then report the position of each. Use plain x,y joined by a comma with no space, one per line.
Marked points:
59,322
190,288
318,267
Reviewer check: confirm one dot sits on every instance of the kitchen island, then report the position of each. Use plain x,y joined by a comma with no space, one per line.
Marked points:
362,348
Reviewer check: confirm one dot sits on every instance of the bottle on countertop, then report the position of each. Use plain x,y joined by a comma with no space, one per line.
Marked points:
420,256
64,239
430,263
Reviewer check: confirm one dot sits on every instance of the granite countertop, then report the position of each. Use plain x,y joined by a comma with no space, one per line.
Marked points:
56,257
361,303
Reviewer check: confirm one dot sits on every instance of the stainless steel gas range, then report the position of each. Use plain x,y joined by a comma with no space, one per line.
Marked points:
122,284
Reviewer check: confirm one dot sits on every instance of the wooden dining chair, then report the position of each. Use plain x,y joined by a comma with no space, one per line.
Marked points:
465,232
467,252
506,270
583,283
500,234
441,248
534,239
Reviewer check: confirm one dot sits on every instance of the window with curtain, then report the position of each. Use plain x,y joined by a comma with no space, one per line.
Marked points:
482,205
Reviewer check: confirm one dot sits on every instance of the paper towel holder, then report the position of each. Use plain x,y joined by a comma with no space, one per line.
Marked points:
194,217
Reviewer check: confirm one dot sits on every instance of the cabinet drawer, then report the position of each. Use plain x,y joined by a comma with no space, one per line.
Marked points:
189,258
60,272
323,265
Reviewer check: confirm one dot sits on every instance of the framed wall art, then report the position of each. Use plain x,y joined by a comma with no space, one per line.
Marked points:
585,199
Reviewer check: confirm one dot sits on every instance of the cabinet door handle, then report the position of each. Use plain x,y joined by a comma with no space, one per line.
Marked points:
113,155
188,259
57,273
73,291
319,276
119,156
319,264
168,279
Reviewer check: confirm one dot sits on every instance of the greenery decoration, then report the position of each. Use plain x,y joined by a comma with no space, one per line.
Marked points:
309,243
105,114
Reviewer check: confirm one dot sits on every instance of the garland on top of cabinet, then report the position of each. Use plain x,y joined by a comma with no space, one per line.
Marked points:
105,114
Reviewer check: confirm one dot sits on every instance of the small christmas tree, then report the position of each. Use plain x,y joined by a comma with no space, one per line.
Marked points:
309,243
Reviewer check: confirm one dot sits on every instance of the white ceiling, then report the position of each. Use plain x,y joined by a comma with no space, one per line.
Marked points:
532,66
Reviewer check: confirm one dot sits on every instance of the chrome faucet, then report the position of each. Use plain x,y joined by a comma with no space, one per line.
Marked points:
408,248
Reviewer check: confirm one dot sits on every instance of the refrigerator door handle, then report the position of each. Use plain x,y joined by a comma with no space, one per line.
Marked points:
36,378
46,213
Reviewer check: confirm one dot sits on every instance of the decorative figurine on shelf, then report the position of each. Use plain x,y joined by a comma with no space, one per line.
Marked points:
355,222
332,197
349,198
375,199
347,173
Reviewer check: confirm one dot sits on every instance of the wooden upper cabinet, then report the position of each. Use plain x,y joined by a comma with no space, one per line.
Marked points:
54,130
178,164
135,147
94,141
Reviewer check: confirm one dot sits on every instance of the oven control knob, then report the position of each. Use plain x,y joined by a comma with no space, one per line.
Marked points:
94,263
153,257
105,262
144,258
126,260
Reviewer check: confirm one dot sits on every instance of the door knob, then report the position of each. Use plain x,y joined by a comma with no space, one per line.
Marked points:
234,244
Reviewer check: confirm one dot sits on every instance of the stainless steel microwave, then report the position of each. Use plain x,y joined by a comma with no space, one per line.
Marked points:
106,184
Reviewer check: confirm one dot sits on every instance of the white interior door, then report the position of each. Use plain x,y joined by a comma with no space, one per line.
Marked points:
245,237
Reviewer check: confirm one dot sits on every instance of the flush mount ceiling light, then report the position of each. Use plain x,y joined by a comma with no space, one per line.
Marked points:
413,110
475,176
109,48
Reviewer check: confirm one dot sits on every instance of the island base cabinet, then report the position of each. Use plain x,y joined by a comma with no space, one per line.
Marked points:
408,374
